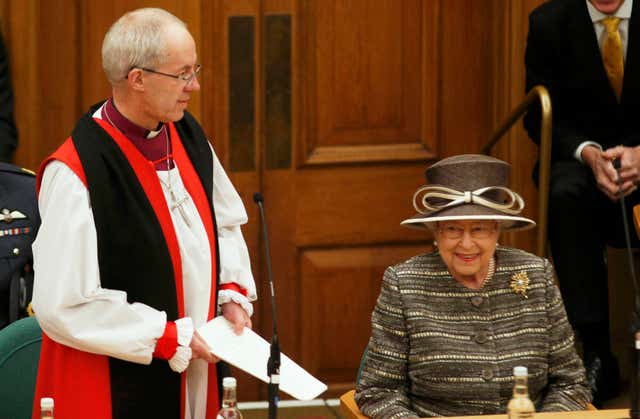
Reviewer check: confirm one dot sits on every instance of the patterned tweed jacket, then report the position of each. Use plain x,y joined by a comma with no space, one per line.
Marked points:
438,348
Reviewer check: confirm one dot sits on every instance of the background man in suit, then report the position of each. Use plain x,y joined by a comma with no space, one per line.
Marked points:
586,52
19,222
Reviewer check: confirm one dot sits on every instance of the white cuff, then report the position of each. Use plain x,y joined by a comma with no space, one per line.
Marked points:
180,360
578,153
184,327
225,296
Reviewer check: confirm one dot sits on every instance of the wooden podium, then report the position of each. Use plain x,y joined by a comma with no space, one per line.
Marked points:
350,410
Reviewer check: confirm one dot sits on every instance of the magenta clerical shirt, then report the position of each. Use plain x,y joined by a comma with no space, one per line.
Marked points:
152,144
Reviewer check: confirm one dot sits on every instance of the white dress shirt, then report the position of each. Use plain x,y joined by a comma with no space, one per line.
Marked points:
624,13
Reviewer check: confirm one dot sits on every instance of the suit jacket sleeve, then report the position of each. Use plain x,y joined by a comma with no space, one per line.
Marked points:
382,389
541,63
567,389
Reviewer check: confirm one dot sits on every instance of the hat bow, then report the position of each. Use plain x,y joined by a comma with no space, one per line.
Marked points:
423,199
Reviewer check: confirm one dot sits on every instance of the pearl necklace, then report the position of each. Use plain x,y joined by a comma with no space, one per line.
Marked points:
490,271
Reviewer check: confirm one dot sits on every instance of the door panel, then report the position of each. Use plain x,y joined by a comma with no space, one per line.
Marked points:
364,64
339,287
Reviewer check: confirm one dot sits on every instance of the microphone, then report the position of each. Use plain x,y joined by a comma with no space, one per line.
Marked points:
634,411
273,364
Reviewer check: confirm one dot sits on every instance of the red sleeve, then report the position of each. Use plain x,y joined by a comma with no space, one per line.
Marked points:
234,287
168,343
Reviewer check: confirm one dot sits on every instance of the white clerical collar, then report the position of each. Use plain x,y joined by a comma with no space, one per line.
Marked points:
154,134
623,12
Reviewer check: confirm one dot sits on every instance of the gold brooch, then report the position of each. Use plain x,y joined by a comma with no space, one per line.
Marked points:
520,283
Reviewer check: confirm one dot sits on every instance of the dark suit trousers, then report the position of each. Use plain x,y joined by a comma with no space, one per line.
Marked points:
582,222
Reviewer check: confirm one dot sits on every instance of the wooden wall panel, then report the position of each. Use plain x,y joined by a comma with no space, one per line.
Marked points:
44,71
364,67
356,206
58,70
22,45
466,78
339,289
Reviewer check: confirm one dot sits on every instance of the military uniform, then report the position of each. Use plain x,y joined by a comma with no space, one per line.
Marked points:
19,221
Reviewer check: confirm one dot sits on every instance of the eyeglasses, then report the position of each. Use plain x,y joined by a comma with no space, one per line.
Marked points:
184,76
478,231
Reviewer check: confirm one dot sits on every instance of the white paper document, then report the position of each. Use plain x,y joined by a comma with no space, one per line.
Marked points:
250,352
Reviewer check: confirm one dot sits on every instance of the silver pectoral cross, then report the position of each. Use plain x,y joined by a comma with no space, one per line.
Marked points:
178,203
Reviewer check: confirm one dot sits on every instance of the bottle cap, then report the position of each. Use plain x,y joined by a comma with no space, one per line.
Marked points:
46,403
228,382
520,371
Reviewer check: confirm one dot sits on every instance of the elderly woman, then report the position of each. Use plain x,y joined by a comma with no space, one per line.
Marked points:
449,326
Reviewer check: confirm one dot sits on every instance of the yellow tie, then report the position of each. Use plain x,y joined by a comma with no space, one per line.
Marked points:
612,54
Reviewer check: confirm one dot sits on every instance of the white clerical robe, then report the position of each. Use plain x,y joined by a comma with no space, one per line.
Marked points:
74,310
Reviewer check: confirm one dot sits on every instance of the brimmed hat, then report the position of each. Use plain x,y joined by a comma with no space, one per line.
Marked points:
468,187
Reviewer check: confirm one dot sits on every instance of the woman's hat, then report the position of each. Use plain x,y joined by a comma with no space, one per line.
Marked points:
468,187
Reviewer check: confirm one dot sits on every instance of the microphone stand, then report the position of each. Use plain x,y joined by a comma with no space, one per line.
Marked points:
634,410
273,364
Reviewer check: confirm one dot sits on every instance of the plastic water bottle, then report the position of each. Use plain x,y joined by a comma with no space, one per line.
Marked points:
229,403
46,408
520,406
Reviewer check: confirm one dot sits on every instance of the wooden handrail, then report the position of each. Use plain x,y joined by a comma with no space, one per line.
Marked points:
541,94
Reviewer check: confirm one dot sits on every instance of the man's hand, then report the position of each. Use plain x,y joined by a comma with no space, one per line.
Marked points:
235,314
629,165
603,170
200,349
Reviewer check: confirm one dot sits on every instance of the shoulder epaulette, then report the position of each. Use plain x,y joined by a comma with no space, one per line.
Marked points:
27,171
11,168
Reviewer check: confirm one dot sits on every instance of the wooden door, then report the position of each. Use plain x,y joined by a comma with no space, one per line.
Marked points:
362,144
333,109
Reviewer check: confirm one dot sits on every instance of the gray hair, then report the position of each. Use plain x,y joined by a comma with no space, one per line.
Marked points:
136,40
